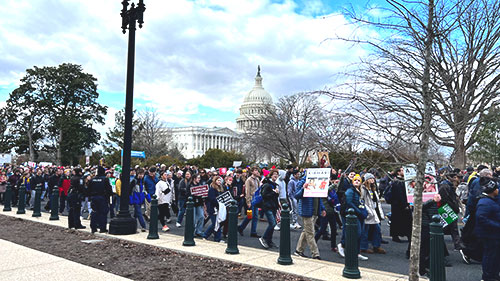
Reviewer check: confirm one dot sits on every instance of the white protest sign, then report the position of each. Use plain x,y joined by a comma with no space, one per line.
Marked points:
317,182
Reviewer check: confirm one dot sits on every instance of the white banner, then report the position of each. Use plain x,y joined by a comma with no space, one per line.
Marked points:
317,180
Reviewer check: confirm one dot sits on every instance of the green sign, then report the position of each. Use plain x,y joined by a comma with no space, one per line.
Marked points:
447,215
118,168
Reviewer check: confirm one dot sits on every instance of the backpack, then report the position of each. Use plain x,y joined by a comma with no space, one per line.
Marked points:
257,198
463,191
388,194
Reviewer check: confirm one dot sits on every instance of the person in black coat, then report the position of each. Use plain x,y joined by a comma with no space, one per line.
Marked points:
447,190
401,218
270,195
100,191
76,190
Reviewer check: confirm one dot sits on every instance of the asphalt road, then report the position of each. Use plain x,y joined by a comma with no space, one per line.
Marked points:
394,261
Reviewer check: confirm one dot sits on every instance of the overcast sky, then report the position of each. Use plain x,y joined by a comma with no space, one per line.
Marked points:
195,60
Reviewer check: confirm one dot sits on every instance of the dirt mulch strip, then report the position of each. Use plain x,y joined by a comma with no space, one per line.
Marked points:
131,260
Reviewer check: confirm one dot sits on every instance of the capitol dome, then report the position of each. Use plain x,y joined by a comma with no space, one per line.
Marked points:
252,111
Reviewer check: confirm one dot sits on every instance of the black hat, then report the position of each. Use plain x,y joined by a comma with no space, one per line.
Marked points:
489,187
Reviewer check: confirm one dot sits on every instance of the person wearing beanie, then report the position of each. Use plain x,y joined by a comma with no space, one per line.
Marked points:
371,230
487,229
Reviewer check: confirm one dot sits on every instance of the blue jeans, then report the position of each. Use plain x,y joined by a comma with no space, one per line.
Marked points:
138,215
199,219
324,221
360,227
255,220
211,229
182,210
271,220
371,233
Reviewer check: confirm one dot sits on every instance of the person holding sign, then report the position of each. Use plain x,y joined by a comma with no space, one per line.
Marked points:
447,190
212,204
199,215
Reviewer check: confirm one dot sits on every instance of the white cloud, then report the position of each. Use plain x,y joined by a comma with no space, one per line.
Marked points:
189,53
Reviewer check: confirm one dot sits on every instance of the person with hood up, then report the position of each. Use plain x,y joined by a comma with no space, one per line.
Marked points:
282,194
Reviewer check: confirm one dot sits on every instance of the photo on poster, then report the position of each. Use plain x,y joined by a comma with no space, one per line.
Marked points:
323,159
430,183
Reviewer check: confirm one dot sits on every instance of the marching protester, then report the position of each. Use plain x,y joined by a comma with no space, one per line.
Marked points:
239,190
371,231
309,210
138,195
64,185
164,192
447,190
213,208
270,204
150,181
332,207
401,218
198,204
251,185
183,196
292,189
488,229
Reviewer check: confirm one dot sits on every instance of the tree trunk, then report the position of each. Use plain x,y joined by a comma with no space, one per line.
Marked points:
424,150
460,159
30,142
59,148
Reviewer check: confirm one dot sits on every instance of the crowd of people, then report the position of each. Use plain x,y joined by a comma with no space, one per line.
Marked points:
259,193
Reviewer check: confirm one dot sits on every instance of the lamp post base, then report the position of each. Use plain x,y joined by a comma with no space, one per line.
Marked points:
123,225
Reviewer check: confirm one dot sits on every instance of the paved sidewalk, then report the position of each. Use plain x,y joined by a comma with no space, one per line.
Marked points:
315,269
19,263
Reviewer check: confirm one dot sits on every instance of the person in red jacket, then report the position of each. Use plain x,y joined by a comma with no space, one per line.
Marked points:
64,185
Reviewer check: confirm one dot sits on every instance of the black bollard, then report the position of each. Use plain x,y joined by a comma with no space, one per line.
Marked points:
38,201
437,271
351,269
153,222
54,205
285,257
21,205
232,236
189,228
7,198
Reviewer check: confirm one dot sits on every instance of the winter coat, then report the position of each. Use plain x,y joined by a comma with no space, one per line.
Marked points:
292,187
282,184
353,200
269,196
212,203
449,195
401,215
197,200
306,204
183,189
164,192
488,218
64,184
138,196
331,202
251,186
474,192
150,183
373,207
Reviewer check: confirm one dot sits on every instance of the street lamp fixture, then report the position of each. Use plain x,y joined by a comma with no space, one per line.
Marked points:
124,224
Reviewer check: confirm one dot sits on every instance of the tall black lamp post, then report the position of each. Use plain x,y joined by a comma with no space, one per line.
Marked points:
123,223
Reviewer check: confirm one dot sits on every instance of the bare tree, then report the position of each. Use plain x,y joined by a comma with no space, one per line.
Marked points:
288,128
152,134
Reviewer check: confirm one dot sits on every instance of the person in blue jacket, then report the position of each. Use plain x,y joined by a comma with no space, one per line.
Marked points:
138,196
488,230
150,181
309,209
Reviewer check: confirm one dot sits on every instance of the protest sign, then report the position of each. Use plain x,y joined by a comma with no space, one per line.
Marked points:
225,198
447,215
317,182
112,181
200,190
324,159
430,184
237,163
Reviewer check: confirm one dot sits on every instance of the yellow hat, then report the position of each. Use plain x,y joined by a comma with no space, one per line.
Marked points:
358,177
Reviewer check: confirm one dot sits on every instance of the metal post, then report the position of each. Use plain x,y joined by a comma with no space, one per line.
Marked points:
123,223
232,236
437,270
7,198
153,222
351,269
21,206
54,205
285,257
189,228
38,203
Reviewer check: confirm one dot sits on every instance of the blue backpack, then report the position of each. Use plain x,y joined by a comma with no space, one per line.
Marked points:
257,198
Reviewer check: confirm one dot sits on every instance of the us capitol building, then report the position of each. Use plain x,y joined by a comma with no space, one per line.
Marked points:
194,141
